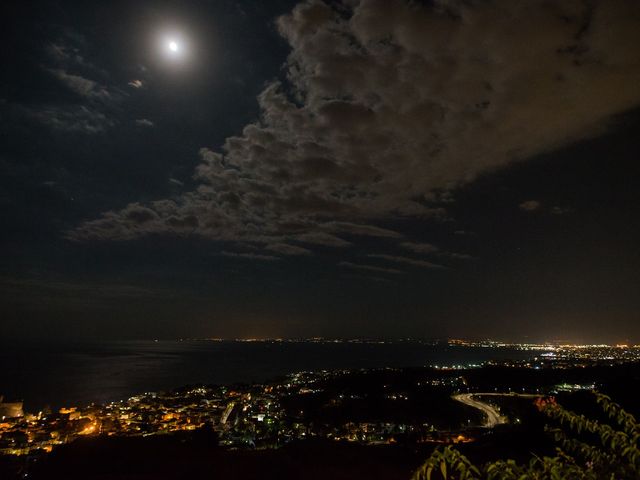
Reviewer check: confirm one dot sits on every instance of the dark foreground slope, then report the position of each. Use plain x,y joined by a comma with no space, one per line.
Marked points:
187,457
168,458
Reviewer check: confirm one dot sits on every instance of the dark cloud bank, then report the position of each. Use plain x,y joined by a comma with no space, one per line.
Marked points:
387,106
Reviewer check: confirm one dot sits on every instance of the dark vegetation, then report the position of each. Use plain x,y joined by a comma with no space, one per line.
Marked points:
588,448
401,397
172,458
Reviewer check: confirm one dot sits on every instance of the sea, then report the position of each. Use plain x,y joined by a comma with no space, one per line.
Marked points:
78,374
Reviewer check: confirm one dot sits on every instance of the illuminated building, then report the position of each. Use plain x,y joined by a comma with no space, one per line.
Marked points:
10,409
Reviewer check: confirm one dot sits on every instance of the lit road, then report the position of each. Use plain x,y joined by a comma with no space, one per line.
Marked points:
493,416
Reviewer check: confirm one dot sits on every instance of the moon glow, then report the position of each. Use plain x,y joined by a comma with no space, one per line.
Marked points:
173,49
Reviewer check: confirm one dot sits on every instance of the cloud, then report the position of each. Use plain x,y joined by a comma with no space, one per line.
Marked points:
370,278
369,268
73,71
139,214
362,230
321,238
535,205
143,122
530,205
406,260
420,247
561,210
136,220
250,256
82,86
38,287
387,103
136,83
79,99
73,118
428,248
460,256
286,249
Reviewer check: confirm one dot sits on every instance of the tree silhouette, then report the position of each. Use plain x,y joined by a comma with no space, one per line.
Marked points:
588,449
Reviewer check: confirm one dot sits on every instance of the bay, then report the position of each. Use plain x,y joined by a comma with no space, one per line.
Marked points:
58,375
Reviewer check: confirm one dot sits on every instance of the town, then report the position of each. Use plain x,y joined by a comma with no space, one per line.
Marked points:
381,406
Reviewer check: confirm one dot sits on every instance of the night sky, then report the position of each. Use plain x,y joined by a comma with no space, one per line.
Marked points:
365,168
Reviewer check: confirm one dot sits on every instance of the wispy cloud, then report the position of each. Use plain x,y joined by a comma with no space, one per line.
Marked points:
370,268
82,86
530,205
406,260
143,122
96,289
561,210
420,247
322,238
73,118
91,103
361,229
286,249
250,256
136,83
428,248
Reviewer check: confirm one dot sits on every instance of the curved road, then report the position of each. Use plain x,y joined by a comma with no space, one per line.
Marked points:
493,416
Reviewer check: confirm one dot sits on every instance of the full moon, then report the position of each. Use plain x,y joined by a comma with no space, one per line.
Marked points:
173,48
